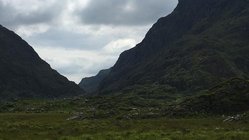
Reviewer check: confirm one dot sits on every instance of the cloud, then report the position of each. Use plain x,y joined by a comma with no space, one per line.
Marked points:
16,13
119,45
76,64
80,37
31,30
125,12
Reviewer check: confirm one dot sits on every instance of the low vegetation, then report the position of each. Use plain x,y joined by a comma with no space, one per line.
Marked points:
56,126
136,113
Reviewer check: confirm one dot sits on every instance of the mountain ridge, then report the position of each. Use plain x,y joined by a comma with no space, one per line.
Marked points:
200,44
25,75
90,84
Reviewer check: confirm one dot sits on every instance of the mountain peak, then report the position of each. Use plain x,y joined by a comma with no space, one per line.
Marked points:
198,45
25,75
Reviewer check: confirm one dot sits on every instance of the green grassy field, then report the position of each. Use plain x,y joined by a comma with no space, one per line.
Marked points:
46,126
154,116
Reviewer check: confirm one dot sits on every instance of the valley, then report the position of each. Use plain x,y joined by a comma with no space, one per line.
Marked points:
135,115
186,80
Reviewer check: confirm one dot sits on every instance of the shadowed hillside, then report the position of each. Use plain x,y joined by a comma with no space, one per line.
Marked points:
200,44
90,84
24,74
229,97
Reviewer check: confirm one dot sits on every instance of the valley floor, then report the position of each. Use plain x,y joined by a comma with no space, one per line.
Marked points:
55,126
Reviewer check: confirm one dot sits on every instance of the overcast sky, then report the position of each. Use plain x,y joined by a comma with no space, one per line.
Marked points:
80,37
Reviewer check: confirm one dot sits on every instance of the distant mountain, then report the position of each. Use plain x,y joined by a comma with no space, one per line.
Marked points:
90,84
201,43
23,74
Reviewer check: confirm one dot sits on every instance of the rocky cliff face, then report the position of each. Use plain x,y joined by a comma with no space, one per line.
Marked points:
198,45
23,74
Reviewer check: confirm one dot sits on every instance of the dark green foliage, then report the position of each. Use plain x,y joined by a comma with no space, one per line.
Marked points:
230,97
23,74
123,106
139,112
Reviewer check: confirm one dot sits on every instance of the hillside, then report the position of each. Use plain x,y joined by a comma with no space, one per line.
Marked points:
90,84
200,44
25,75
229,97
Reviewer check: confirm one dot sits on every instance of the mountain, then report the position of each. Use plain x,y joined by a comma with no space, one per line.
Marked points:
90,84
229,97
200,44
23,74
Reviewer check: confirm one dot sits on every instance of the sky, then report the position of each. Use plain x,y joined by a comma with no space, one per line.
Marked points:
80,37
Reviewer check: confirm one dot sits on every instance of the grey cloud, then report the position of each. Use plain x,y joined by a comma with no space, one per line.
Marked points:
81,70
125,12
5,13
127,19
71,69
66,39
12,17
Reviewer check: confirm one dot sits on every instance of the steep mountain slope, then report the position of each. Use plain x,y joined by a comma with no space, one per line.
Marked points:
23,74
90,84
197,46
